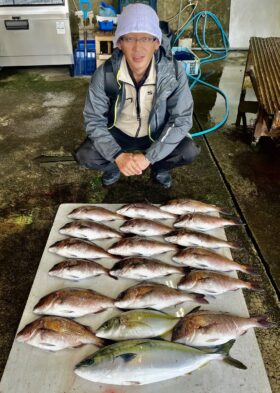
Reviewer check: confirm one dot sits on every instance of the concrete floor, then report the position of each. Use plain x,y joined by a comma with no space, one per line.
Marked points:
41,124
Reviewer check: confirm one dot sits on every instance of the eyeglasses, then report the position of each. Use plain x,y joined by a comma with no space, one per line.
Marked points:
142,40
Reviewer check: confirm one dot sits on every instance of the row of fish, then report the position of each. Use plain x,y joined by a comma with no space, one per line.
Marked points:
78,248
145,210
135,268
199,328
77,302
90,230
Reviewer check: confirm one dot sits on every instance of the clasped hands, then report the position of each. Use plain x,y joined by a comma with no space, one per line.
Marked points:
131,164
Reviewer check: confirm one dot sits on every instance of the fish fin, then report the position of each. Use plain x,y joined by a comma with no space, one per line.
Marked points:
263,322
200,299
211,296
224,351
224,211
256,287
139,323
235,245
235,363
127,357
113,277
97,312
250,270
78,346
75,278
160,338
202,265
237,221
212,340
194,310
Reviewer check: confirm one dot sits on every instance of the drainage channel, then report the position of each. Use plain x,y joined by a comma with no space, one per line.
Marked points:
236,205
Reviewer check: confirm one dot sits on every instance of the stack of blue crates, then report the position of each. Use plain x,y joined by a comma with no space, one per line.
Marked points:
84,58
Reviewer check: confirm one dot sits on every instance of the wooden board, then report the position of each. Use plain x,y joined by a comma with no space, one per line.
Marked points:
31,370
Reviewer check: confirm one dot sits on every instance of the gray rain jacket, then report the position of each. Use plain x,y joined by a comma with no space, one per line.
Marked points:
170,118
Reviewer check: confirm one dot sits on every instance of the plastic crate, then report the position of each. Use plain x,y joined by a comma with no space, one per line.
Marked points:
90,45
84,62
188,59
106,25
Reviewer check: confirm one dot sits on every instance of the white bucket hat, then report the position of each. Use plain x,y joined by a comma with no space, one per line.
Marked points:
138,18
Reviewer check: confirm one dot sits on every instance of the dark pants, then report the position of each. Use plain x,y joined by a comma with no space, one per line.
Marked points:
87,156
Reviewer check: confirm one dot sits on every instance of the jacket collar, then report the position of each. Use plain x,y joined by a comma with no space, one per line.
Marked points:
164,69
124,75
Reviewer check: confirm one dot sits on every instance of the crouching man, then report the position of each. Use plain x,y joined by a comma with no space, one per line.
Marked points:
138,110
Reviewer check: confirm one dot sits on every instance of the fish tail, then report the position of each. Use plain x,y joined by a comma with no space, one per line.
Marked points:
249,270
224,351
197,297
234,362
114,257
100,342
235,245
237,221
224,211
186,270
193,310
255,286
263,322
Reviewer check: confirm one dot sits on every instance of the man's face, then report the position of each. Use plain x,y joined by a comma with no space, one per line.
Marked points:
138,49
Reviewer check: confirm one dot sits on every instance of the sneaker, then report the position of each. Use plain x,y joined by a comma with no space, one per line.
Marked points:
163,178
109,178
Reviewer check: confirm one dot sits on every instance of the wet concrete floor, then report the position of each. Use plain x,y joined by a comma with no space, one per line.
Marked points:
41,124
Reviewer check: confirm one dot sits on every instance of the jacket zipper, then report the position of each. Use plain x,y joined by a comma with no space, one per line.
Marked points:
138,110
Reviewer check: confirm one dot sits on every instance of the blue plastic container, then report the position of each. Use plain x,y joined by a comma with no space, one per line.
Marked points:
106,25
84,65
90,45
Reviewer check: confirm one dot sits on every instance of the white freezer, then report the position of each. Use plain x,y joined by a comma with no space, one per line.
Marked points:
36,33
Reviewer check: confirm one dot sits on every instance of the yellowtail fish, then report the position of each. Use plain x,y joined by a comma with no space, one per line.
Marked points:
137,324
145,361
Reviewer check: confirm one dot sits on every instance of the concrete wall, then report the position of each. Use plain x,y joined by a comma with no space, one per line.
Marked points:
253,18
